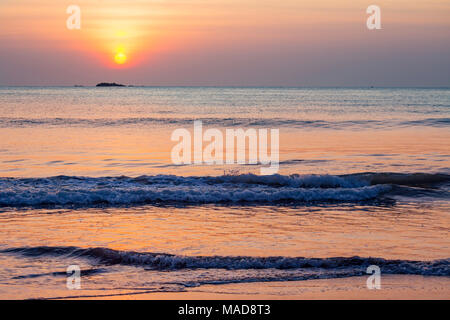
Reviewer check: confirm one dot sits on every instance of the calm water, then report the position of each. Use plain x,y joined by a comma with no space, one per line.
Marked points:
86,178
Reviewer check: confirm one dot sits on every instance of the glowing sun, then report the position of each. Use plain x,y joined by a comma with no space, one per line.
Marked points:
120,58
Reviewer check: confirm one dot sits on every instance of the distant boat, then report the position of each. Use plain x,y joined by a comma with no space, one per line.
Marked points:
107,84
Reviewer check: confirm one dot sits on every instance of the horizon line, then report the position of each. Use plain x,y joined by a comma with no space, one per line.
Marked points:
228,86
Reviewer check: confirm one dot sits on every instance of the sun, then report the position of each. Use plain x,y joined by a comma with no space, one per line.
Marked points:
120,58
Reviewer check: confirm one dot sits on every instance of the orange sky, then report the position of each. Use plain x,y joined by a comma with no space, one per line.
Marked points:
226,42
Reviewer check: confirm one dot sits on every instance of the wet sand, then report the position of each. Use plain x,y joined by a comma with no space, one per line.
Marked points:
393,287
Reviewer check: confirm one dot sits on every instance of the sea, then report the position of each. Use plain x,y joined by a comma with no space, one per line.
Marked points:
87,179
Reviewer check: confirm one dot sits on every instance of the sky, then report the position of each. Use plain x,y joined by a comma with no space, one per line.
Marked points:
225,43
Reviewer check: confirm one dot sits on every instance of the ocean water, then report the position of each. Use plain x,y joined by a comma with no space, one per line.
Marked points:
86,178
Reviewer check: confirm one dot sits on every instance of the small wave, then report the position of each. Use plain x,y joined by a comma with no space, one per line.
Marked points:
431,122
403,179
244,188
168,262
6,122
84,272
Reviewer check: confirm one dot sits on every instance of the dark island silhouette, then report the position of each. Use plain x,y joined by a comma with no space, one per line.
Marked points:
109,84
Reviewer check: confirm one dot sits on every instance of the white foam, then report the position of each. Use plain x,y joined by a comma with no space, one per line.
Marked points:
84,191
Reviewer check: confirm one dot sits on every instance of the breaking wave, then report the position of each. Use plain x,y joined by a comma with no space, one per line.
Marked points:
170,262
244,188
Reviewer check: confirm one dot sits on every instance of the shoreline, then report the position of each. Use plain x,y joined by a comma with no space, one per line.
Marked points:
393,287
